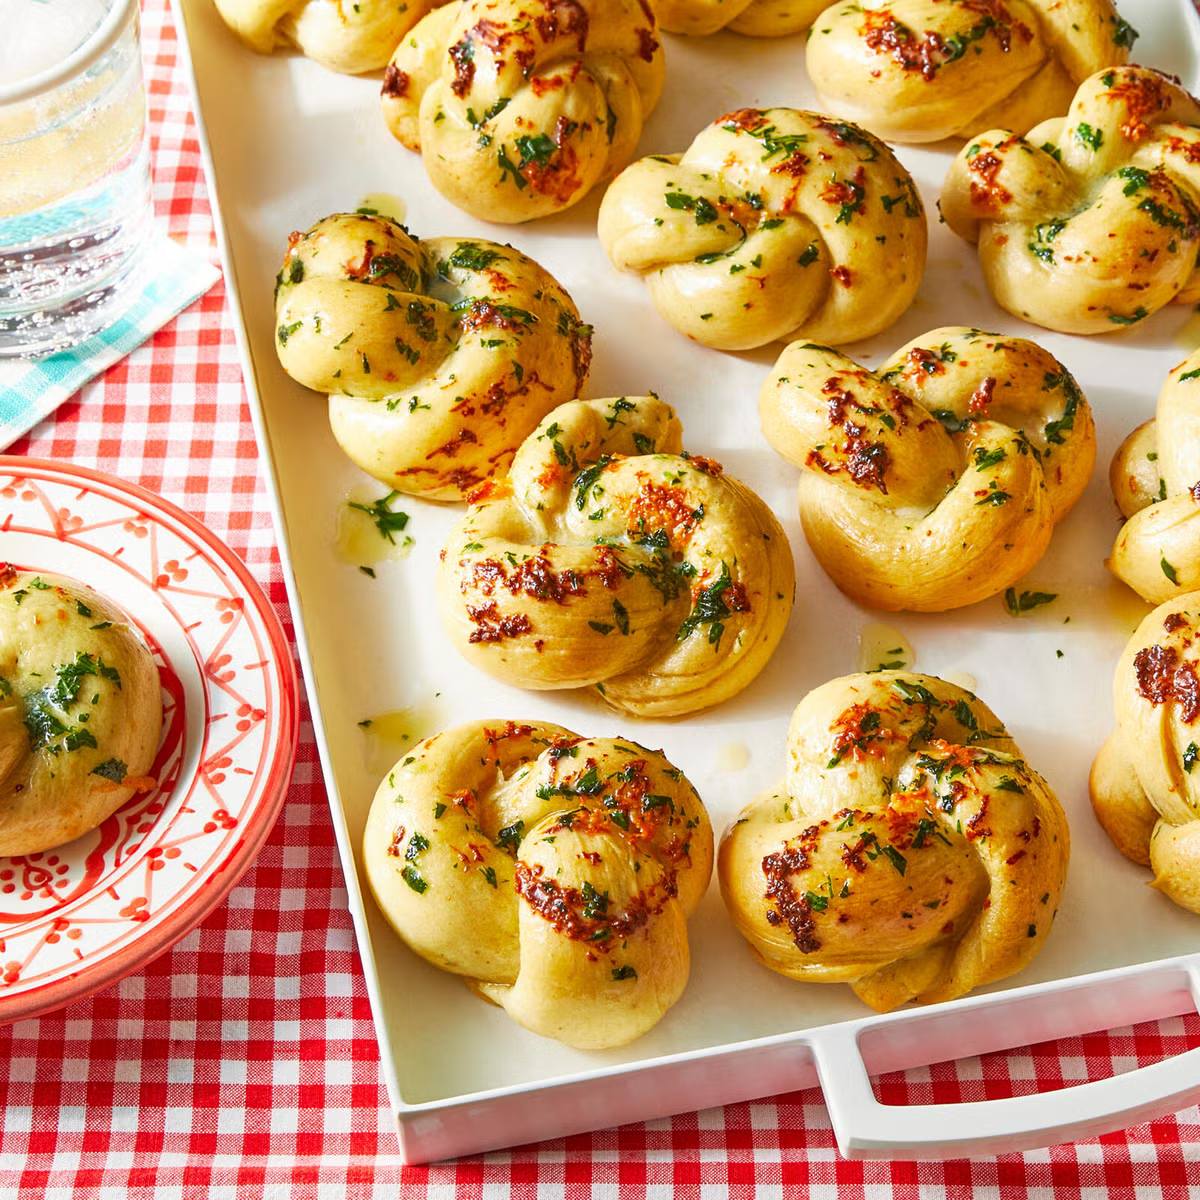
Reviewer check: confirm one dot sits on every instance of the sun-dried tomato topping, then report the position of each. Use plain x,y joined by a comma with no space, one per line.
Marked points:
566,19
929,53
976,828
843,275
1174,621
511,729
982,396
361,270
395,82
709,466
490,489
789,907
1185,148
483,314
848,193
748,120
462,55
882,33
866,462
658,506
465,799
396,845
647,44
581,352
536,576
557,174
925,362
858,732
450,449
795,165
1162,677
987,193
1144,97
8,575
587,917
955,754
492,626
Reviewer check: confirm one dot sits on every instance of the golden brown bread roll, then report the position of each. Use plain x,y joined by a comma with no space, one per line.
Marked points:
1155,478
937,479
555,873
1145,788
439,356
1090,222
80,711
774,224
754,18
922,70
519,107
912,853
349,37
612,560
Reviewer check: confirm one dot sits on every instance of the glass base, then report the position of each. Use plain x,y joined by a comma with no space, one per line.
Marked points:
42,330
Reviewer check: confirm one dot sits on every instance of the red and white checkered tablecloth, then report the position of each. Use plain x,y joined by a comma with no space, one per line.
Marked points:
243,1062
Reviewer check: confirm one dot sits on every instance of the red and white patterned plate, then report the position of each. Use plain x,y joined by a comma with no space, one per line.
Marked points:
80,917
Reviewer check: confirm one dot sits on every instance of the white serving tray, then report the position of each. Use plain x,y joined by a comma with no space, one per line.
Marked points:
287,142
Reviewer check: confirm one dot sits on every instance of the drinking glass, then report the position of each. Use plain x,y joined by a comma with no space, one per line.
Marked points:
75,209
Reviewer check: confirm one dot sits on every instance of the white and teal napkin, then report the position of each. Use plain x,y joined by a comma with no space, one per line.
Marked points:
31,389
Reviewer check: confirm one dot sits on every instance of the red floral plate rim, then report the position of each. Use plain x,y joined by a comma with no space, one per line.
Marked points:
265,793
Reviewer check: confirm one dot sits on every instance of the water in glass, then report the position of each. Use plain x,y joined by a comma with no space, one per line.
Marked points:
74,180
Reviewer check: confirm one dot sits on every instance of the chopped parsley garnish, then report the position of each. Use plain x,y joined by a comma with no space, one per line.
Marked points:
586,479
701,208
1139,314
1089,136
111,768
1017,604
387,521
1124,34
472,257
509,838
412,877
710,608
595,904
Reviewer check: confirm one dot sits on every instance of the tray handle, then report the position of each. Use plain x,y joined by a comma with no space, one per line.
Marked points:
865,1128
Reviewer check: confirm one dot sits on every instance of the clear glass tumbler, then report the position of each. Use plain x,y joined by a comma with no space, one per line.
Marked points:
75,209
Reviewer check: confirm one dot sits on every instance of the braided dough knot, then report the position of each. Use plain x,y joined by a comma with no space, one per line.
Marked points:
775,223
519,107
339,34
923,70
1145,789
936,480
613,560
555,873
755,18
1091,222
439,356
1155,478
912,853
